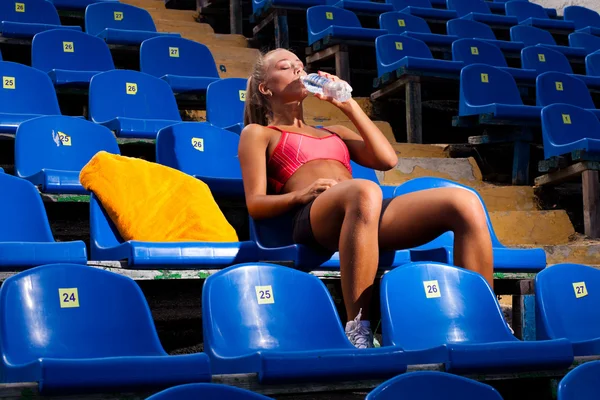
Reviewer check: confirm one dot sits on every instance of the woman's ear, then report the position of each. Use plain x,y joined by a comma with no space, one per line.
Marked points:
263,89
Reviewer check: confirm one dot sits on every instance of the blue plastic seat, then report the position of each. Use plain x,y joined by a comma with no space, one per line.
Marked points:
489,90
61,329
25,236
592,64
63,146
398,52
556,87
417,28
225,100
432,385
25,18
205,152
475,51
532,36
337,23
260,6
581,383
566,128
566,306
585,19
457,308
69,57
442,248
590,43
195,391
252,321
478,10
26,93
132,104
464,28
187,66
422,9
75,5
532,14
362,6
118,23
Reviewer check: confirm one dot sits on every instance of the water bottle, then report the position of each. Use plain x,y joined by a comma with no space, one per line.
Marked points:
315,83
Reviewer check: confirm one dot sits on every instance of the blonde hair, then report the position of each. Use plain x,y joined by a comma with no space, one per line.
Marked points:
257,109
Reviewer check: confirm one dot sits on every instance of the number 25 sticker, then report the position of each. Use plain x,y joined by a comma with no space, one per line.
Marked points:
580,289
69,298
432,289
264,294
8,82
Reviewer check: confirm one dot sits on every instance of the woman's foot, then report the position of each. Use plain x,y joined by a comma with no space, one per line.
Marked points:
359,332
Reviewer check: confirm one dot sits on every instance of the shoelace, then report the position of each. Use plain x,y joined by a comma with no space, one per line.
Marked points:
359,335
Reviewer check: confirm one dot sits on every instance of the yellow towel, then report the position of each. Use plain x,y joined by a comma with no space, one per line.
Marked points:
153,203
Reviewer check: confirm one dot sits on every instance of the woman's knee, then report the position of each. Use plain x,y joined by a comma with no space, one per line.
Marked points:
363,200
468,208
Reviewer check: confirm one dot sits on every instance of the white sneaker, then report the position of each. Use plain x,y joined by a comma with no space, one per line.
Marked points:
359,332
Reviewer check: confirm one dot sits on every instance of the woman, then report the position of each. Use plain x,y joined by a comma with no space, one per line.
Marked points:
288,165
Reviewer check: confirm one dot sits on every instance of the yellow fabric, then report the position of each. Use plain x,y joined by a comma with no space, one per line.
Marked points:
153,203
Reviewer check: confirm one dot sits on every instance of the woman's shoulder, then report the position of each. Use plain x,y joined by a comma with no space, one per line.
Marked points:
255,129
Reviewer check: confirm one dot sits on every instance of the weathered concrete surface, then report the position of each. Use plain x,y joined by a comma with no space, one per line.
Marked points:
561,4
585,252
532,227
458,169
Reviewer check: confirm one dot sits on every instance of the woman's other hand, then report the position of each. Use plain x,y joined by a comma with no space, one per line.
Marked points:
311,192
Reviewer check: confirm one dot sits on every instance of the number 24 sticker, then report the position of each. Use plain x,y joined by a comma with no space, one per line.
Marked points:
69,298
264,294
432,289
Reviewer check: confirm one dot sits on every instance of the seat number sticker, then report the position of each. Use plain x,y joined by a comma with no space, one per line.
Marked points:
264,294
399,46
580,289
131,88
198,143
20,7
68,47
432,289
559,86
242,94
118,16
9,82
485,78
69,298
401,22
64,139
174,52
566,119
329,15
475,51
542,57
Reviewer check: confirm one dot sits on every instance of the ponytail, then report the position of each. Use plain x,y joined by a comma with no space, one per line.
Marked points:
257,109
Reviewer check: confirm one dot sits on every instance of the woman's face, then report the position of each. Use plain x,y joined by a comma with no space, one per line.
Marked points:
283,72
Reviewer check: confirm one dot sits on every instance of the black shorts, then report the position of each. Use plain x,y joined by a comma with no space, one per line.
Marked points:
302,230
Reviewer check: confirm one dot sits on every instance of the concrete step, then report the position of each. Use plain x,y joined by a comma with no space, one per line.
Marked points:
238,62
515,228
580,251
174,25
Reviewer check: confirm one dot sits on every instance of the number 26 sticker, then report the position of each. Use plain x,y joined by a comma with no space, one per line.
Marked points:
432,289
69,298
264,294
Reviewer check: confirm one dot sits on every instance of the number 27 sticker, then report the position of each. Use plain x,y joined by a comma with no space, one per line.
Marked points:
264,294
432,289
580,289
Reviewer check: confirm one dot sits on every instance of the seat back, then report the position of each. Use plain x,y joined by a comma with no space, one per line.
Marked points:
466,28
564,124
531,35
131,94
400,5
194,391
473,51
524,9
592,64
392,48
319,18
199,149
225,101
23,214
60,143
543,59
464,7
581,383
69,311
483,84
556,87
432,385
396,23
29,11
566,302
582,17
103,233
115,15
447,305
590,43
70,50
164,55
255,306
26,90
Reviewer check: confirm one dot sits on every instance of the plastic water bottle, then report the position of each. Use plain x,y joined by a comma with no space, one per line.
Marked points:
315,83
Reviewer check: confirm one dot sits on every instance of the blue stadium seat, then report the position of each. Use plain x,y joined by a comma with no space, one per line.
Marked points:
422,9
556,88
442,248
107,244
532,14
195,391
362,6
230,92
532,36
97,335
187,66
566,128
489,90
205,152
132,104
592,64
400,23
566,303
585,19
26,93
75,5
118,23
475,51
252,321
70,57
581,383
25,237
25,18
457,308
590,43
398,52
63,146
432,385
464,28
260,6
337,23
478,10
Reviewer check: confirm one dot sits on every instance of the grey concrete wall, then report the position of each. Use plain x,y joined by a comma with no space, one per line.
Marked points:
560,4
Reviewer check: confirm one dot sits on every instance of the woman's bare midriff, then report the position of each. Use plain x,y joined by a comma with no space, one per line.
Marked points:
313,170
